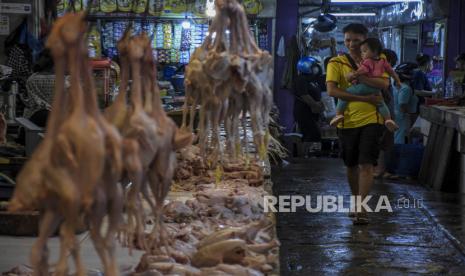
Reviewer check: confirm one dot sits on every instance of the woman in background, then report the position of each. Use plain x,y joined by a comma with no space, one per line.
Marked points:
420,80
387,139
405,102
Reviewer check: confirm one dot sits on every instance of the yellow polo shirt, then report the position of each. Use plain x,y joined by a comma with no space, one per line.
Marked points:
357,114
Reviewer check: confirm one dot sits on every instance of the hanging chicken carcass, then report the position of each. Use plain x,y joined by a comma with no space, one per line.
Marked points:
230,77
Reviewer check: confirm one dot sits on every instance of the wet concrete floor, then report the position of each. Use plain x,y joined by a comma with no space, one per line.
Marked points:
424,235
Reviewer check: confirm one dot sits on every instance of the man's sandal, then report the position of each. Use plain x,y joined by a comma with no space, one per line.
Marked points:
361,220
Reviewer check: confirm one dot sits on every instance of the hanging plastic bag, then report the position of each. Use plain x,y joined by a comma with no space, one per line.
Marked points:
156,7
140,6
281,48
78,5
178,6
200,7
108,5
124,5
252,7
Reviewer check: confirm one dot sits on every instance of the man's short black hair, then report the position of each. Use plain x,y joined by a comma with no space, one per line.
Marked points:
355,28
373,44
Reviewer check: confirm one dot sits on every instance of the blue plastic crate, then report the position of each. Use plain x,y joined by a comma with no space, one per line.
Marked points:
405,159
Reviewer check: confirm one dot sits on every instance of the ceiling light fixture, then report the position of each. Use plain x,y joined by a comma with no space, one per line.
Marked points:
354,14
374,1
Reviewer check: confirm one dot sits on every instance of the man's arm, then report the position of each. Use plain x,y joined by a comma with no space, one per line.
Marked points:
336,92
380,83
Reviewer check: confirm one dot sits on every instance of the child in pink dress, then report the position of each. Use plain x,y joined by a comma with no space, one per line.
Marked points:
374,67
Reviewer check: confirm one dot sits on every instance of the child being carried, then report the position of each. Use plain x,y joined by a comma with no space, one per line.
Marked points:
374,67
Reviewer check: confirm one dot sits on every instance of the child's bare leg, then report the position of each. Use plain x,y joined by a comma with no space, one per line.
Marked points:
390,124
337,119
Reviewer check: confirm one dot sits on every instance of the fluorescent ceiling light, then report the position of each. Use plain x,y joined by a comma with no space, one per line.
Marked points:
186,24
354,14
210,10
374,1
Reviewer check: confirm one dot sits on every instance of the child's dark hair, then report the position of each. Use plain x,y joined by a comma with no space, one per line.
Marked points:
374,44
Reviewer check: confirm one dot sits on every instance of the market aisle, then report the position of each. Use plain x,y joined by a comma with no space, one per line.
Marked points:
406,241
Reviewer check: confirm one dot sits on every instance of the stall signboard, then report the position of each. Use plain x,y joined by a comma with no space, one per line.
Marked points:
15,8
411,12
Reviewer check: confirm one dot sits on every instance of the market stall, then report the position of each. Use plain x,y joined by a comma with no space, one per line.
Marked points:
444,159
176,29
194,209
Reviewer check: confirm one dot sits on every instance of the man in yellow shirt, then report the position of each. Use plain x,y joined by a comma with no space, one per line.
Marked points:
362,127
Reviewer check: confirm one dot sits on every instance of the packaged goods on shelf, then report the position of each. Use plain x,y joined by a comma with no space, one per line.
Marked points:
95,48
185,56
148,27
167,36
177,36
185,40
136,28
108,40
159,36
163,56
174,55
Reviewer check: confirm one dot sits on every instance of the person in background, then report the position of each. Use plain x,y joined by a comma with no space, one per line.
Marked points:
308,106
405,102
460,62
458,74
387,139
420,80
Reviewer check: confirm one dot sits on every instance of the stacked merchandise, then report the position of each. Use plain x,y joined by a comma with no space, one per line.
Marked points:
185,46
198,35
148,28
137,28
108,40
172,43
158,37
177,35
260,34
263,38
94,45
167,35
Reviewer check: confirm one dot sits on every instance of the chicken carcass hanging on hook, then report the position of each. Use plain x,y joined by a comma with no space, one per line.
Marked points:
230,77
